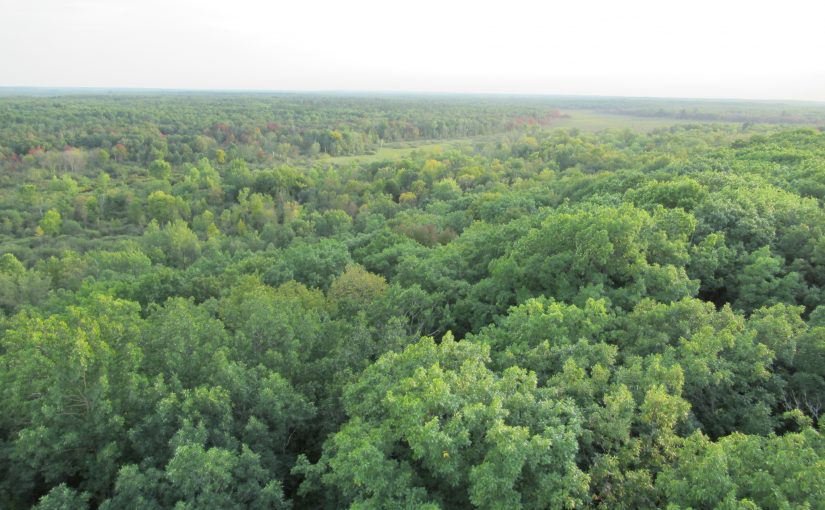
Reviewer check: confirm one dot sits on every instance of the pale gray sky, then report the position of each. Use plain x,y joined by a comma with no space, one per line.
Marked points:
721,48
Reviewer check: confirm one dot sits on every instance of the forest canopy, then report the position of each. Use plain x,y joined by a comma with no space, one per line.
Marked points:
305,301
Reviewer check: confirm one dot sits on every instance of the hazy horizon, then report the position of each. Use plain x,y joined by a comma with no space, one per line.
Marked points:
60,91
640,49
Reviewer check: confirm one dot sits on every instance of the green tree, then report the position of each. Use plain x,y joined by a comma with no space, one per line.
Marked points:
70,386
355,289
160,169
162,207
51,222
434,427
741,471
63,498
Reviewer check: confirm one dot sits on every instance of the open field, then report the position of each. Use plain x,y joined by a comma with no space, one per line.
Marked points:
589,121
583,120
400,150
593,121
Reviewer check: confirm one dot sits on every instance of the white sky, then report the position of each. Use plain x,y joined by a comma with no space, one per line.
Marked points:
720,48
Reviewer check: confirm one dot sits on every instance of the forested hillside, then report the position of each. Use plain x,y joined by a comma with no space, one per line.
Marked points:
200,308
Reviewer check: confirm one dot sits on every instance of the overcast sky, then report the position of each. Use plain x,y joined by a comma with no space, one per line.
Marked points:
722,48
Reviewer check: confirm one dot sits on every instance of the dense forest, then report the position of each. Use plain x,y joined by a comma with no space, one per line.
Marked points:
205,305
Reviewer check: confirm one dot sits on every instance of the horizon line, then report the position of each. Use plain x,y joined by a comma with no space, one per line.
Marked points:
367,92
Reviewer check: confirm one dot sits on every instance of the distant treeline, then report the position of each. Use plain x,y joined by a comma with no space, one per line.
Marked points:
141,129
751,112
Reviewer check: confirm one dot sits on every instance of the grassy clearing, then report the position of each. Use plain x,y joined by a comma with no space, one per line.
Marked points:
399,151
587,120
584,120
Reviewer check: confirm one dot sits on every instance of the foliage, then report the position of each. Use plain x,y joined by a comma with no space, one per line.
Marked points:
204,305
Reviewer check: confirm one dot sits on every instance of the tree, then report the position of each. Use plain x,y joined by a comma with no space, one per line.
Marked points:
355,289
433,427
19,287
174,243
197,477
51,222
70,386
162,207
63,498
621,253
726,370
764,281
742,471
160,169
